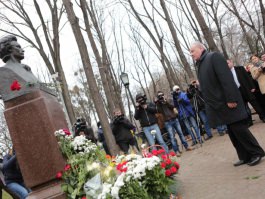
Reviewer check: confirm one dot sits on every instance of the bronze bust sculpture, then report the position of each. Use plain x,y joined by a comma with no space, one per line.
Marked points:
11,53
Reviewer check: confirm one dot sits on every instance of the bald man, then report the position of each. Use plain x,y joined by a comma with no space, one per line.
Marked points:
224,103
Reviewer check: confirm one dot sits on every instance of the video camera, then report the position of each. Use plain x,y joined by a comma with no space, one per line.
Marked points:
192,89
141,99
160,97
80,125
118,118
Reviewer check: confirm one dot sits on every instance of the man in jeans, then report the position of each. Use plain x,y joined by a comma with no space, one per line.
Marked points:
171,122
145,113
186,114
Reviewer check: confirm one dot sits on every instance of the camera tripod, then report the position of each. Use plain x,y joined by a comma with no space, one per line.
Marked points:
196,108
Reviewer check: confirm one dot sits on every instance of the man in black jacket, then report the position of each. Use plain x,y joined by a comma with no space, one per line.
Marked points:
121,129
224,104
145,113
246,88
171,121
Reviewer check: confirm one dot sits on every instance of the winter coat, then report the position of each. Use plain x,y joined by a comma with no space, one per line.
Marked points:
146,116
259,76
121,129
182,103
11,170
246,83
166,109
218,88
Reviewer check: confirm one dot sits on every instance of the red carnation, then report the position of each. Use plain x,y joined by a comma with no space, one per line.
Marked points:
84,197
149,155
163,165
168,173
154,152
67,167
173,170
172,153
15,86
164,157
176,165
59,175
66,132
168,161
160,151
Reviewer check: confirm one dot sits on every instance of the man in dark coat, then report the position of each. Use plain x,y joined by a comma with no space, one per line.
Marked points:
224,104
246,88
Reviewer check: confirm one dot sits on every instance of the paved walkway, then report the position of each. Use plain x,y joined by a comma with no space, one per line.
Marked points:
208,171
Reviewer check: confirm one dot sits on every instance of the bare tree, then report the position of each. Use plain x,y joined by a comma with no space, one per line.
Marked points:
204,28
52,39
90,77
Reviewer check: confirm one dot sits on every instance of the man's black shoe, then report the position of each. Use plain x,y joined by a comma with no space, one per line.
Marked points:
240,162
209,137
254,161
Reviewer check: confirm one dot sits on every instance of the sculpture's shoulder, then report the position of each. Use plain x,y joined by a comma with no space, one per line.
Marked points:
26,81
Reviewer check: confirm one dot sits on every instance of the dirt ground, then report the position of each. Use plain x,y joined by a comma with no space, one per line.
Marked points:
208,172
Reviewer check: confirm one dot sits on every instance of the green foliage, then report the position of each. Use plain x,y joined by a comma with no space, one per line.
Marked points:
156,183
133,190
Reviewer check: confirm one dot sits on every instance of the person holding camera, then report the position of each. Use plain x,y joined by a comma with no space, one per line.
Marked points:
145,113
171,121
81,128
121,129
195,95
186,114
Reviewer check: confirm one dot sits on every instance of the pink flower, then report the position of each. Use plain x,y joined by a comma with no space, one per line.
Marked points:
59,175
67,167
168,172
173,169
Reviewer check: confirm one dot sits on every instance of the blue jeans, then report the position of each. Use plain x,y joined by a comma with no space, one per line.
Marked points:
221,128
151,139
176,125
204,119
191,121
19,189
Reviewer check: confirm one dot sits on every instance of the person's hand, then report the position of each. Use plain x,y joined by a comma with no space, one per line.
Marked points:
253,90
232,104
180,100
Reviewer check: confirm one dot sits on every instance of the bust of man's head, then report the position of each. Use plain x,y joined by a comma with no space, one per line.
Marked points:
10,49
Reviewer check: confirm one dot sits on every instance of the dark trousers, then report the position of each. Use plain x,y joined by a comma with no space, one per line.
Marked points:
244,142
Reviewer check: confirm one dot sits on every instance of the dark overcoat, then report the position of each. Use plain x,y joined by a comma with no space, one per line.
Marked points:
246,83
218,88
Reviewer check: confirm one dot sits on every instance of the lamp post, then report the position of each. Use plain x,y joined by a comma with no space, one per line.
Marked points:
125,81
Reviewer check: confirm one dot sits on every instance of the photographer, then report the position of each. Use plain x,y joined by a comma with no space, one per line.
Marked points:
195,95
121,129
145,113
81,128
186,114
171,121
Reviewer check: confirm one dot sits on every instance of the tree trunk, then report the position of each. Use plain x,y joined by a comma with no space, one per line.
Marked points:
176,41
205,29
262,10
90,77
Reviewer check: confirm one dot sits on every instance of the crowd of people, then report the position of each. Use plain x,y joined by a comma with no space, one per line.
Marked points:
220,99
